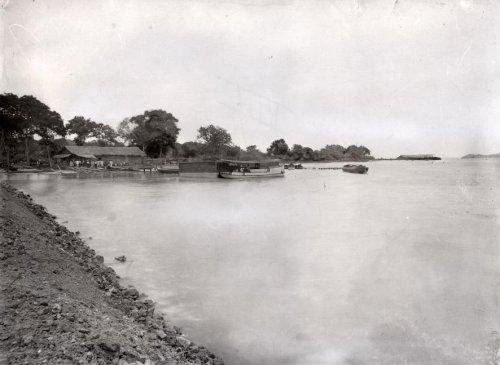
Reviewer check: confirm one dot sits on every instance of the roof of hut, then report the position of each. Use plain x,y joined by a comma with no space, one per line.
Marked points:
84,151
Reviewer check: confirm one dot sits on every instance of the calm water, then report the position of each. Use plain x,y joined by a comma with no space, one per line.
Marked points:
400,265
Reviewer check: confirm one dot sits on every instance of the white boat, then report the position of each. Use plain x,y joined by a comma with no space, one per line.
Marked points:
240,170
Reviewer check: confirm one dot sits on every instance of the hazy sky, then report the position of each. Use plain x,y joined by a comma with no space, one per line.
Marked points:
397,76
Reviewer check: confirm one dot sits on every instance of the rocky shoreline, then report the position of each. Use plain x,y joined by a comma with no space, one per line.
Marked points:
60,304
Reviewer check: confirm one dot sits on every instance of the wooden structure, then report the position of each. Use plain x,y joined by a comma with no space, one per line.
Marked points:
101,156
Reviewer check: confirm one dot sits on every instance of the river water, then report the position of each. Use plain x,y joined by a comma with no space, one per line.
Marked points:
321,267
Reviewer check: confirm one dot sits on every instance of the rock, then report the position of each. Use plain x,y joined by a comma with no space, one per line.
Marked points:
161,334
121,258
132,293
27,339
183,341
109,346
56,308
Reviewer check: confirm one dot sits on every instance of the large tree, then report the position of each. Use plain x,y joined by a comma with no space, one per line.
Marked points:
333,152
104,134
82,127
356,153
26,116
216,139
154,131
11,123
190,149
252,153
278,148
297,152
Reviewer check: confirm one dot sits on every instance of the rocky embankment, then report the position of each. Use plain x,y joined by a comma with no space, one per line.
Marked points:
60,304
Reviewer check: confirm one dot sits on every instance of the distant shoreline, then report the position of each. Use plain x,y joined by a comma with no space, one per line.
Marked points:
473,156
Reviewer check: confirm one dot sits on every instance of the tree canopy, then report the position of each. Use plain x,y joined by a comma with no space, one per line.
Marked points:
216,139
278,148
24,117
82,127
154,131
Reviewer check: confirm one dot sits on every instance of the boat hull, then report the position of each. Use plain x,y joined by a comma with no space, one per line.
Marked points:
250,175
355,169
168,170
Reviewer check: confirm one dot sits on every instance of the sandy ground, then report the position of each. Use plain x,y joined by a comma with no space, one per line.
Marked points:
60,304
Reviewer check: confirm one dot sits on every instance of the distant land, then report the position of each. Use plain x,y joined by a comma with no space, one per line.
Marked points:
418,157
493,155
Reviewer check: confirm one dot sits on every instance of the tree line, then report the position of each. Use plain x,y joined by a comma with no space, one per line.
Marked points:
31,131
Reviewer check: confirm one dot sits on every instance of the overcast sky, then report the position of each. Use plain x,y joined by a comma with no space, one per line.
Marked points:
397,76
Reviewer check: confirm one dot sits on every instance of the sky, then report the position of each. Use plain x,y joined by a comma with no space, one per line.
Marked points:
397,76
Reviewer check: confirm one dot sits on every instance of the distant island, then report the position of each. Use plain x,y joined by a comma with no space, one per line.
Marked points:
470,155
418,157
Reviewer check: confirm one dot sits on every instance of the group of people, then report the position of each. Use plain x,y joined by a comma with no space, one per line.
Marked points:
94,163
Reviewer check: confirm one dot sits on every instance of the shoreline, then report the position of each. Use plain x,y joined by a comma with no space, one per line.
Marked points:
61,304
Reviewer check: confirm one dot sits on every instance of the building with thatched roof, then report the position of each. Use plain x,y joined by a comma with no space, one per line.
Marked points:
108,155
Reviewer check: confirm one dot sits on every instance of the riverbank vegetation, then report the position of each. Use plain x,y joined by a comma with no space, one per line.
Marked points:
31,132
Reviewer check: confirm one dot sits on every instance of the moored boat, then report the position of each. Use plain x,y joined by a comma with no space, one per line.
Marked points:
168,169
250,169
67,172
355,169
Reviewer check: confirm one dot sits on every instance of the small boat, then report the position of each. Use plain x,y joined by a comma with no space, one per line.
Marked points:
67,172
251,175
298,166
355,169
289,166
168,169
250,169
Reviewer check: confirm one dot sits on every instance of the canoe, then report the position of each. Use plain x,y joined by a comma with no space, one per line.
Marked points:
355,169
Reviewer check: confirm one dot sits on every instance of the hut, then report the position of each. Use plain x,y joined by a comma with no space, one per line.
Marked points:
101,156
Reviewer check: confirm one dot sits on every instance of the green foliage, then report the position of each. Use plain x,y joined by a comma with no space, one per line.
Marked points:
105,135
216,139
190,149
154,131
81,127
23,118
233,152
332,152
27,124
87,128
278,148
252,153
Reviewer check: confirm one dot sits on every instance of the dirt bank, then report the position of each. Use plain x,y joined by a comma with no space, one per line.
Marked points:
60,304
